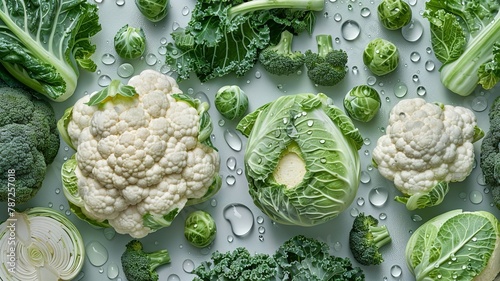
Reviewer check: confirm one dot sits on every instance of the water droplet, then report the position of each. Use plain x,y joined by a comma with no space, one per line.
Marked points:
355,70
476,197
221,123
67,212
232,139
396,271
240,218
108,59
350,30
428,50
260,219
125,70
239,171
354,212
231,163
412,2
349,7
175,26
365,12
50,204
163,40
58,190
261,238
365,177
104,80
337,17
382,216
337,246
415,57
112,270
387,99
98,1
230,180
96,253
188,265
462,195
201,96
479,104
415,78
421,91
213,202
413,31
429,65
151,59
360,201
258,74
61,207
230,238
371,80
480,179
400,89
261,229
185,11
120,2
165,69
416,218
173,277
162,50
378,196
109,233
337,40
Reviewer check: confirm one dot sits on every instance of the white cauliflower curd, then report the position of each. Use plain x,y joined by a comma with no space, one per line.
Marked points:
426,146
143,152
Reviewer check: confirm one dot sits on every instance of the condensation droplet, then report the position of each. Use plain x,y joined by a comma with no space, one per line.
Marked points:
350,30
260,219
261,229
185,11
421,91
112,270
396,271
428,50
221,123
476,197
378,196
165,69
480,180
232,140
430,65
162,50
58,190
400,89
231,163
412,2
415,78
175,26
412,31
415,57
365,12
151,59
416,218
125,70
230,180
109,233
354,212
104,80
258,74
96,253
337,246
239,171
230,238
188,265
108,59
213,202
371,80
173,277
201,96
240,218
382,216
479,104
337,17
50,204
360,201
120,2
364,177
355,70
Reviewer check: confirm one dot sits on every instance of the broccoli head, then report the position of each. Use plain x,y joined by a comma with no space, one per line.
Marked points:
327,67
29,142
303,258
279,59
365,239
139,265
490,153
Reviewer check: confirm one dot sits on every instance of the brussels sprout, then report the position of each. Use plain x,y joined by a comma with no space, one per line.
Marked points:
394,14
381,56
153,10
200,229
362,103
130,42
231,102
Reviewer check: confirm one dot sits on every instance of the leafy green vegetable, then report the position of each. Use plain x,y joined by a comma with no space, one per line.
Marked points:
29,142
225,37
394,14
456,245
200,229
43,44
47,246
362,103
381,56
490,153
327,67
279,59
231,101
465,36
301,159
299,258
130,42
112,90
366,238
153,10
139,265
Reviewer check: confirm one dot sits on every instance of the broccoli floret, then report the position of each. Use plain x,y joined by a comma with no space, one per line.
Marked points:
139,265
327,67
366,238
279,59
237,265
303,258
490,153
29,142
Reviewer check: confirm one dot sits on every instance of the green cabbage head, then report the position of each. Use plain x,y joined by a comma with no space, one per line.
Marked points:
301,159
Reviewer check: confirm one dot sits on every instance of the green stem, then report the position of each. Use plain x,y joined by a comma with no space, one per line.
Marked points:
256,5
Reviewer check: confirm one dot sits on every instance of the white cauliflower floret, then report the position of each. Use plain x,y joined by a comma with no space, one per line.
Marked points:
426,144
139,159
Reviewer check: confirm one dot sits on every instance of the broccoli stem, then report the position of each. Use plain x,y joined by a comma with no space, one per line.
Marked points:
256,5
284,46
380,235
158,258
325,44
461,75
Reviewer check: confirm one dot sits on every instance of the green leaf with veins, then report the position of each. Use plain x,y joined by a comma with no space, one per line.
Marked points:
115,88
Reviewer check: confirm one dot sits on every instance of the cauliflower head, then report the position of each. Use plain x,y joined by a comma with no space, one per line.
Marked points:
426,146
139,158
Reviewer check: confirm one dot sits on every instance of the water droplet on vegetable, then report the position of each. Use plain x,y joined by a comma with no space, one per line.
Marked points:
371,80
400,89
479,104
104,80
173,277
475,197
354,212
240,218
120,2
396,271
151,59
112,270
412,31
365,12
416,218
364,177
429,65
230,239
96,253
108,59
260,219
378,196
230,180
350,30
337,246
109,233
337,17
232,139
415,57
185,11
360,201
310,123
382,216
188,265
125,70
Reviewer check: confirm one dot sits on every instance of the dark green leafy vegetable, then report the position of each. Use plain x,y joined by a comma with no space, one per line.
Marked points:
490,153
139,265
327,67
366,238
